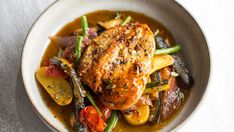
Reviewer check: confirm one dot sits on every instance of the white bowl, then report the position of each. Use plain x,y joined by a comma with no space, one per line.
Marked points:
173,16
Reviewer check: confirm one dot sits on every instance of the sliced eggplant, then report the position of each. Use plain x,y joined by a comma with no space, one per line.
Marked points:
178,65
180,68
78,90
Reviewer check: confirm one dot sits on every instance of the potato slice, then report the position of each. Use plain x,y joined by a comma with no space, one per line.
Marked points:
57,87
138,116
160,61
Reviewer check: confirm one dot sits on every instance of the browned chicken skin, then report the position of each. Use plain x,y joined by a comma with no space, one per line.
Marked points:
116,64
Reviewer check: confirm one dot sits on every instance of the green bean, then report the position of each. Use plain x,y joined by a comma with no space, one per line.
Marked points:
112,121
78,47
84,25
167,50
93,102
126,21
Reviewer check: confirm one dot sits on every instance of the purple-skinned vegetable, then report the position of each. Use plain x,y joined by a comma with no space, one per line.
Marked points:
63,41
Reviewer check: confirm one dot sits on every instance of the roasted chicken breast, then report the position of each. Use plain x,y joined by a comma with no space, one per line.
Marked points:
116,64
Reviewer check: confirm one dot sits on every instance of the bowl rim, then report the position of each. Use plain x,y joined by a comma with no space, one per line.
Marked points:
183,122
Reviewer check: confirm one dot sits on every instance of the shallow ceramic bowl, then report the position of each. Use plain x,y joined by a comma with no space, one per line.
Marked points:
173,16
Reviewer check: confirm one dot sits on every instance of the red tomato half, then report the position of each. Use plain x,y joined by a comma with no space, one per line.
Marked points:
89,117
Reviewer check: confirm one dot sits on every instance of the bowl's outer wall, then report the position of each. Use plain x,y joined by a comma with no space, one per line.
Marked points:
171,14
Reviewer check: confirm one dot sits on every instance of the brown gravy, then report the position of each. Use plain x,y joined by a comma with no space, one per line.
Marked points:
62,113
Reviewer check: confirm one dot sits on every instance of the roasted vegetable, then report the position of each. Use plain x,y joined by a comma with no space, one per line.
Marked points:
171,50
112,121
180,68
78,88
160,43
89,117
90,30
178,65
78,91
171,98
155,112
139,116
57,87
156,84
63,41
157,89
160,61
92,101
84,25
126,21
78,47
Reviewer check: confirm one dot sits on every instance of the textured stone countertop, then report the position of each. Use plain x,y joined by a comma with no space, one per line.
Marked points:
215,114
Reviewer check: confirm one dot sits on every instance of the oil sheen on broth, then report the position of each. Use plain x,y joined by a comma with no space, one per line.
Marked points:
62,113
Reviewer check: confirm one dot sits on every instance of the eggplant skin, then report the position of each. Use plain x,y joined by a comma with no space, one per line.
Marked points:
178,65
180,68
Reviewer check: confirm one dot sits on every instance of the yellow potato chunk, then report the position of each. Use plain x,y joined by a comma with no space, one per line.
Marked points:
138,116
160,61
57,87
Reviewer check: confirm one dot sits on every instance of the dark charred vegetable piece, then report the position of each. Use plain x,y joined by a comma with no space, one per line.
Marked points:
155,84
126,21
112,121
78,47
78,87
78,91
155,113
180,68
170,50
178,65
160,43
84,25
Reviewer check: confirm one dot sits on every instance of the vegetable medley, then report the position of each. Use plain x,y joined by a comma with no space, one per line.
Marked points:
117,68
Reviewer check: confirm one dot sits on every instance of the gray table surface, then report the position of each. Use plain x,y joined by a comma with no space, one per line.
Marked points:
16,18
215,114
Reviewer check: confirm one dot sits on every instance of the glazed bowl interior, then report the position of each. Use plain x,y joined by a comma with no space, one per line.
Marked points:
175,18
